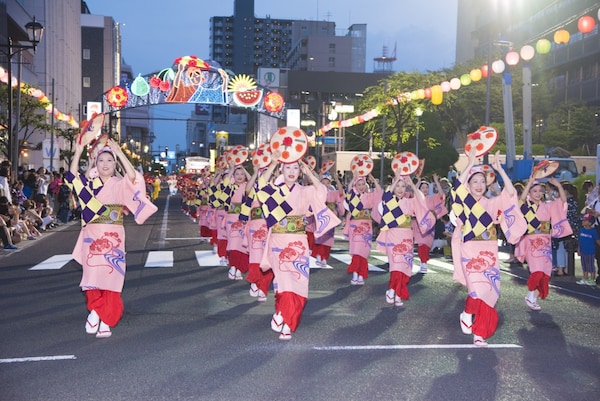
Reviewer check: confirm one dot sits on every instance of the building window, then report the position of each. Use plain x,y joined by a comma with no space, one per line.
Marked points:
332,48
86,82
331,61
86,54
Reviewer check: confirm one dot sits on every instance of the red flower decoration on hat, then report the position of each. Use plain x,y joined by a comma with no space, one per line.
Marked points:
287,141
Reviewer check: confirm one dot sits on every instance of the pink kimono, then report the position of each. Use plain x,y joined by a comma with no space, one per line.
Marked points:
359,231
287,247
535,247
256,237
397,244
323,244
236,231
476,263
436,208
100,247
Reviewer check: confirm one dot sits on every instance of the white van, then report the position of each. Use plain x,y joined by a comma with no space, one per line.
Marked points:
567,170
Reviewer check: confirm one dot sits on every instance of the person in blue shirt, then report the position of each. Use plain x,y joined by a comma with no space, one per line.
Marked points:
588,239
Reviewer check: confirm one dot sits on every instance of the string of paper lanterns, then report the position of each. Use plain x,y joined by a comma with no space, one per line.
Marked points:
586,24
41,96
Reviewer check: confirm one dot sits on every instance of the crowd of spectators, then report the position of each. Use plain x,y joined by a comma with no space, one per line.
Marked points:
32,203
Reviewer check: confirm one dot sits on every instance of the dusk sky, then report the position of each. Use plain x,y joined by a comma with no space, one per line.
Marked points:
154,33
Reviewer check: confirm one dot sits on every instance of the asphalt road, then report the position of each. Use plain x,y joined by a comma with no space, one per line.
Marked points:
189,333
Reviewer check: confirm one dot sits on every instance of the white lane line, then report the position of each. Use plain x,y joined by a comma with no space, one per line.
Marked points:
55,262
347,258
163,227
159,259
38,358
401,347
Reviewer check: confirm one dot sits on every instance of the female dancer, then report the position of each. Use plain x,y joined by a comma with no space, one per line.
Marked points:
436,203
475,244
237,251
396,236
359,228
100,247
285,205
544,219
335,202
256,234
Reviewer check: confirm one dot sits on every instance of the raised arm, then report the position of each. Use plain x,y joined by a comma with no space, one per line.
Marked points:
74,167
505,178
471,162
561,190
127,166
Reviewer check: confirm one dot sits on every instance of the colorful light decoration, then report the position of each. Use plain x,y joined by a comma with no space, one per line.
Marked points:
527,52
586,24
41,96
561,37
512,58
437,94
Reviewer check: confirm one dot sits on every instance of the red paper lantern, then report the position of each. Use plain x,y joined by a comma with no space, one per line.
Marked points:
562,36
586,24
484,71
427,93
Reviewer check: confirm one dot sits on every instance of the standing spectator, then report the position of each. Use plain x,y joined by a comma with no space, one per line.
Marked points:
5,182
54,189
29,182
42,182
593,209
589,240
564,243
452,174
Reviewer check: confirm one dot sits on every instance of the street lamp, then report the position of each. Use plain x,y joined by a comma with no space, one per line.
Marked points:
418,113
35,31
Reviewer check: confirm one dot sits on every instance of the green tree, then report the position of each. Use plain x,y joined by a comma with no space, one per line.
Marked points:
33,119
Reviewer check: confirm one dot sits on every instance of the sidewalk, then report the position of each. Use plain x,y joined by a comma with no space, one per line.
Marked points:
25,244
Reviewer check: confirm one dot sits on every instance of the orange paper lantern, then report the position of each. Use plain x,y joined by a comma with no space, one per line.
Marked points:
561,36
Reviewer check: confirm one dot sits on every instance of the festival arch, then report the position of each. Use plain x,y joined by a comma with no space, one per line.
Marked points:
191,80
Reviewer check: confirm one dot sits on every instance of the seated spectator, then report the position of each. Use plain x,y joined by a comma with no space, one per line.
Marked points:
34,216
18,197
7,231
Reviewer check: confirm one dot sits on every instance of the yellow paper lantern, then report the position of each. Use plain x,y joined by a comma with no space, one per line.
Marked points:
437,95
465,79
420,94
561,36
475,74
543,46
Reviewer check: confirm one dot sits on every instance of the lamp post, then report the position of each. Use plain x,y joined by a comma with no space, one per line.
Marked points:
418,113
35,30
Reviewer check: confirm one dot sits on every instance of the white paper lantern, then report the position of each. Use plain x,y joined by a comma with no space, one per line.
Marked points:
527,52
455,84
498,66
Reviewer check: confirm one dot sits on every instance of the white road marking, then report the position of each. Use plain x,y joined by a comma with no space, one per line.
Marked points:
207,258
55,262
38,358
347,258
159,259
415,346
163,227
